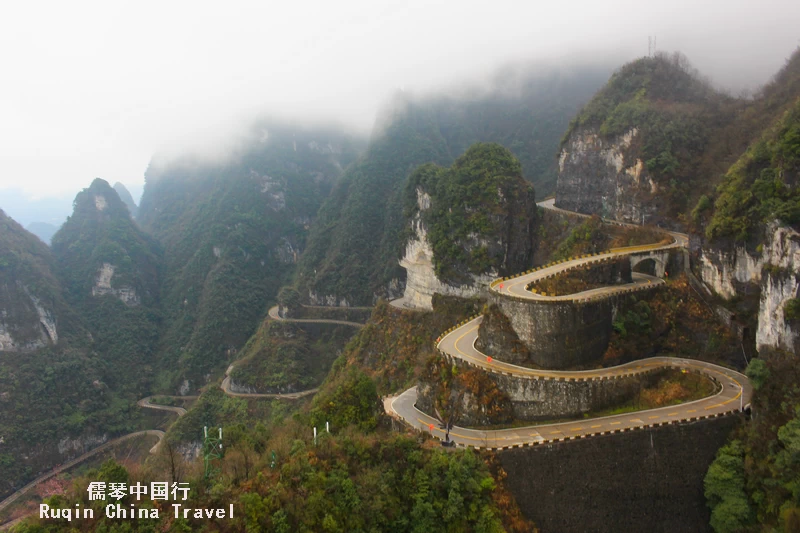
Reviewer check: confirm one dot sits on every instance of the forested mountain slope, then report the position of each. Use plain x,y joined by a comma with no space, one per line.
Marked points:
111,274
55,397
353,249
655,142
232,231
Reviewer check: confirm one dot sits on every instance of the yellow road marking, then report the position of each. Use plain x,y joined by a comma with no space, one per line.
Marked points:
651,417
671,414
615,423
692,411
597,426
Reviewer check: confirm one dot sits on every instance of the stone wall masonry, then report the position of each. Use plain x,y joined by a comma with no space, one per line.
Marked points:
560,334
646,480
536,399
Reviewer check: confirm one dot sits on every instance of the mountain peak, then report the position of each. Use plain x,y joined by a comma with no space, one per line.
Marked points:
126,197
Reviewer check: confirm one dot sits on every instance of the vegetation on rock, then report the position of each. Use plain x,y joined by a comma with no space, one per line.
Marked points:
111,274
673,320
753,483
55,392
288,358
762,185
354,247
232,231
482,213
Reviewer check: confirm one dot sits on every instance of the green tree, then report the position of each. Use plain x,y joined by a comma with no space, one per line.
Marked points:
725,490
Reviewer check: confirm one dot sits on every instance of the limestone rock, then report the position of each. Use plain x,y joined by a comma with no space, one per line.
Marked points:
594,176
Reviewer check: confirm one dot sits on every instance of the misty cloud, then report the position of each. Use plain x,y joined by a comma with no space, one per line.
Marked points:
96,88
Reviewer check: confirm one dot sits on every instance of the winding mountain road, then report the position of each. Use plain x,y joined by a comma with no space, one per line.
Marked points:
734,389
144,403
226,388
69,464
273,314
180,411
517,285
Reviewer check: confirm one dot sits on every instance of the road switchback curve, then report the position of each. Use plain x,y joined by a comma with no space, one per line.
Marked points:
734,389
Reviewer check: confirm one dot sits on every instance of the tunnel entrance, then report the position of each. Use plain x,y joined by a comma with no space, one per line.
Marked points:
645,266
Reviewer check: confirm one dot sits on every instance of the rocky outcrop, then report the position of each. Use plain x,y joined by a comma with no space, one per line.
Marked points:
595,176
728,272
780,283
102,286
46,320
497,338
29,327
328,300
470,223
770,271
71,447
272,189
421,280
774,330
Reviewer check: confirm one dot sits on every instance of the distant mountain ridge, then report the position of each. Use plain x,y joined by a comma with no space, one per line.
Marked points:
43,230
232,232
53,376
126,198
352,252
111,272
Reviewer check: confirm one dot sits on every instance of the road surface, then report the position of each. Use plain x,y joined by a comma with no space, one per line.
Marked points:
180,411
273,314
57,470
145,403
226,388
734,389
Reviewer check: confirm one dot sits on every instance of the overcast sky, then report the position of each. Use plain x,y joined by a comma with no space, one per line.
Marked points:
93,89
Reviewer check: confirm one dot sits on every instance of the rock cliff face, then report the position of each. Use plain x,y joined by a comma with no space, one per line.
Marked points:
597,176
779,284
102,286
737,271
469,223
29,292
727,272
13,340
328,300
421,280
